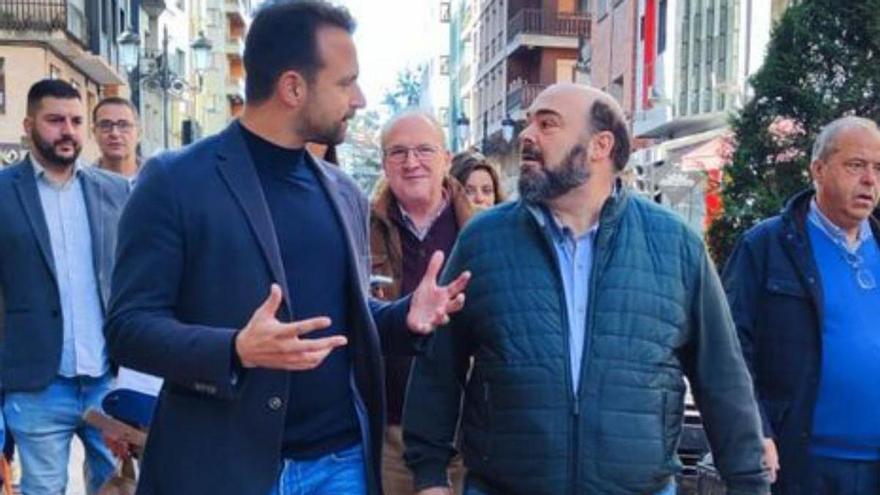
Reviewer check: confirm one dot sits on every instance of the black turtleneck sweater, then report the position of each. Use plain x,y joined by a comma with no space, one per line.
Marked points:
321,417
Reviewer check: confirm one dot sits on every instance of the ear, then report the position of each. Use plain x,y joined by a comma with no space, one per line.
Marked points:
447,161
292,88
600,146
28,125
817,170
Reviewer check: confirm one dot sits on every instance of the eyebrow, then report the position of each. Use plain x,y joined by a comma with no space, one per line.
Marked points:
544,112
349,78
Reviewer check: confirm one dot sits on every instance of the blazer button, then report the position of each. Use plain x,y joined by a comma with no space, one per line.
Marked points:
55,313
275,403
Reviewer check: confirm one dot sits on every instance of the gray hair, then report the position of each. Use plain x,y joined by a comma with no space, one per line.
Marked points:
412,112
826,141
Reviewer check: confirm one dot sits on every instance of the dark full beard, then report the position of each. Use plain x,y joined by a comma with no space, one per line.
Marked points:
540,185
47,150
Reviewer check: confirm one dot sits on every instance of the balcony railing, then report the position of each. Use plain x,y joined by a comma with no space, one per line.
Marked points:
43,15
539,21
235,47
520,97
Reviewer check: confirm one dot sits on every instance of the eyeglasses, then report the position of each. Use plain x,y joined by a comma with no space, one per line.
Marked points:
106,126
399,154
858,168
864,277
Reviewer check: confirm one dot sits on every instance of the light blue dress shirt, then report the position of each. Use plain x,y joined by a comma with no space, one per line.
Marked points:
575,257
83,350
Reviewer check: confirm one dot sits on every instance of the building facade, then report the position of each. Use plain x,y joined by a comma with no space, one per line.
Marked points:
435,75
504,53
224,23
74,40
693,62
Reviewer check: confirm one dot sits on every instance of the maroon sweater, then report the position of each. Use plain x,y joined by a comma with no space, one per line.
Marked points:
416,254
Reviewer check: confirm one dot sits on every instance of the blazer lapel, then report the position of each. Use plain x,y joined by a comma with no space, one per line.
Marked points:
237,170
94,200
343,206
26,187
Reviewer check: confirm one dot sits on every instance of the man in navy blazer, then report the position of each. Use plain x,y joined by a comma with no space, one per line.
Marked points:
58,221
234,248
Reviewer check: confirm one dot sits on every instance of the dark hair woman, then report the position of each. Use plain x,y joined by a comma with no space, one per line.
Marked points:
479,177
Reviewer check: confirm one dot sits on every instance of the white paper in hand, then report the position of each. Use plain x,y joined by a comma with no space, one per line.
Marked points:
139,382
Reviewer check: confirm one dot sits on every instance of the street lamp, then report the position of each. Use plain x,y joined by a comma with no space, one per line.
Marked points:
161,75
508,127
463,128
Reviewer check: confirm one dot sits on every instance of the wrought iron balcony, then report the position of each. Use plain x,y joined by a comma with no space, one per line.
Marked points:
541,22
521,96
44,15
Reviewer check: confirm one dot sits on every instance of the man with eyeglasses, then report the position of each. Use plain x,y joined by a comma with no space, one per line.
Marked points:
115,126
803,290
419,209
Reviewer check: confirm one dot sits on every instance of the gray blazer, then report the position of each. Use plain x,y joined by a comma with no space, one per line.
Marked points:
30,345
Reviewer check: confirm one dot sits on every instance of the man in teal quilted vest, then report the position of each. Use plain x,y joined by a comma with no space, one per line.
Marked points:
587,309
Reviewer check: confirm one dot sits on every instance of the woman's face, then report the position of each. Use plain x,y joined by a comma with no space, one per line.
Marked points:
480,189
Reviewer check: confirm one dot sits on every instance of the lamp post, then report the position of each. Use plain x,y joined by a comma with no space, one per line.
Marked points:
463,123
462,129
167,81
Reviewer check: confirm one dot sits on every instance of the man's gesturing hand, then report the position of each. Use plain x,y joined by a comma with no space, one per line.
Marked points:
432,304
268,343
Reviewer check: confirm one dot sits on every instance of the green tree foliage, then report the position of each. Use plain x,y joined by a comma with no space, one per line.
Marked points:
823,62
406,92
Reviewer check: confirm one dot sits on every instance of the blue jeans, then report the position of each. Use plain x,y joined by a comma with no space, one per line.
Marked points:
829,476
340,472
472,490
43,424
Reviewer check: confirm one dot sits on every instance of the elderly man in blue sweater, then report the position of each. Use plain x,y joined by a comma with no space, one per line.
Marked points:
804,294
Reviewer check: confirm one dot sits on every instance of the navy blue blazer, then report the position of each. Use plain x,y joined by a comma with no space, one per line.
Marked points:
197,254
30,347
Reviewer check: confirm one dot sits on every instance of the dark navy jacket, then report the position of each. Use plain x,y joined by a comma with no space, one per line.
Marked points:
197,254
775,294
30,347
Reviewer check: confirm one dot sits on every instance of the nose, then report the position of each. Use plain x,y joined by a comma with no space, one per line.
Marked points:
527,135
68,128
360,101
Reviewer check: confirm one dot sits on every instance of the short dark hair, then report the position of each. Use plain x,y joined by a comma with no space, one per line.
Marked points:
605,118
283,37
49,88
114,100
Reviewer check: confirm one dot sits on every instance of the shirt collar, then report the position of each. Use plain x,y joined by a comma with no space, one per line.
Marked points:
837,234
561,233
40,171
409,224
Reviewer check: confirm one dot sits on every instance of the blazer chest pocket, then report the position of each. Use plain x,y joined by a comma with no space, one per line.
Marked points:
786,287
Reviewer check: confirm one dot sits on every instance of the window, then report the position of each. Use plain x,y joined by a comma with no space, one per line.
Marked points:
445,14
91,101
443,115
179,62
2,86
106,18
444,65
661,31
601,8
616,89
